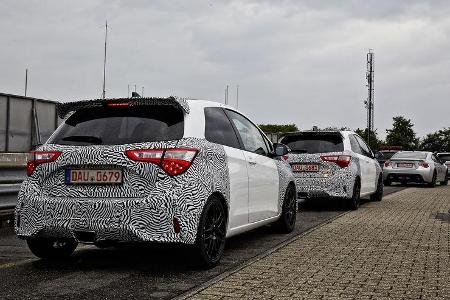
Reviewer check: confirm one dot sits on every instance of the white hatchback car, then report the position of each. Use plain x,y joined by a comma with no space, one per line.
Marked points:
156,170
336,164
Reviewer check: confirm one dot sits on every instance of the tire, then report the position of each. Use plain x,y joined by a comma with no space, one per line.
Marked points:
378,195
52,249
286,222
210,241
355,200
445,182
387,183
432,184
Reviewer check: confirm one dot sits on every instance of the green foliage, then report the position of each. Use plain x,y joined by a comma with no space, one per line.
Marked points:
438,141
278,128
374,143
402,134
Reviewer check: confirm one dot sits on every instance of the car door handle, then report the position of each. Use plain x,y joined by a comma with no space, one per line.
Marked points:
251,162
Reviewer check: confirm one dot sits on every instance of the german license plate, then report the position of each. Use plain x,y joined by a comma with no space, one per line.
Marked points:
405,165
305,168
92,176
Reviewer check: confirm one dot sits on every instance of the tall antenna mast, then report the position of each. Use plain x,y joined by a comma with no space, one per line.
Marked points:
369,103
104,62
26,81
237,96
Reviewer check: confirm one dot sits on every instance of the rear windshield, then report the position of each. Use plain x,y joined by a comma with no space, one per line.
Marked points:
413,155
307,143
387,154
445,157
120,125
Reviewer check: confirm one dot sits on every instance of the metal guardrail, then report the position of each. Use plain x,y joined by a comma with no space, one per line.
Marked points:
10,181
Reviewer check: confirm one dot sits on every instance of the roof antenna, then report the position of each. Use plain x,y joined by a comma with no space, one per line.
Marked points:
104,61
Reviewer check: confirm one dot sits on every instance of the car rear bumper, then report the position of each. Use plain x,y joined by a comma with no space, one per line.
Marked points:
107,219
331,187
402,175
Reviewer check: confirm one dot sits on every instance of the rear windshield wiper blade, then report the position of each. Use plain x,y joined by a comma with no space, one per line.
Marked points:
83,138
299,151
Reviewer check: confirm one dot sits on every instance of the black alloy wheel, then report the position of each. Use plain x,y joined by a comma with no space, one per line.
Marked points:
51,248
355,200
433,181
211,234
286,222
378,195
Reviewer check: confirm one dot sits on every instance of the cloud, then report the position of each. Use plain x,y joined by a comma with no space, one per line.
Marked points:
295,61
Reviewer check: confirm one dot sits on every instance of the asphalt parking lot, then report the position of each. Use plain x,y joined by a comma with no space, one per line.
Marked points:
138,271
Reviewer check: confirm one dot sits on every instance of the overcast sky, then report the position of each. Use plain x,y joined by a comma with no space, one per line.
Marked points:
301,62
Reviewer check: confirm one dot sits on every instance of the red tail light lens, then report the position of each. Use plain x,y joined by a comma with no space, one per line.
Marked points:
387,163
40,157
174,161
341,160
177,161
424,164
117,104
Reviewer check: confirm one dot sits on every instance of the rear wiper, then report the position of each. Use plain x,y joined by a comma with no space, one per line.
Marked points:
299,151
83,138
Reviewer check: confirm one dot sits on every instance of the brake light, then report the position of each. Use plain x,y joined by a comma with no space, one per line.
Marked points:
117,104
174,161
424,164
387,163
341,160
40,157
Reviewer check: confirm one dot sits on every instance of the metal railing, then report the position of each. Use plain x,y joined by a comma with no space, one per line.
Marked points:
25,122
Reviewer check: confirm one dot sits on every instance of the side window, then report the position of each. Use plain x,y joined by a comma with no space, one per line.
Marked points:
434,158
251,137
365,149
218,128
354,144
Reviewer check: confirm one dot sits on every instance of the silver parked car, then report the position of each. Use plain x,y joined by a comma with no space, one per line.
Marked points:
415,166
445,156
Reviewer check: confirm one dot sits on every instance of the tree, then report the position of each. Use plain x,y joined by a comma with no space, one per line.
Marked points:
278,128
438,141
402,134
375,142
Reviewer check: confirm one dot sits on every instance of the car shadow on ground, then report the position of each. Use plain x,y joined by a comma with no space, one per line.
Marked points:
325,204
417,185
161,259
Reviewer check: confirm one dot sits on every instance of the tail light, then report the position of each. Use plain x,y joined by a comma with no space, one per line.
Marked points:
424,164
40,157
387,163
113,104
174,161
341,160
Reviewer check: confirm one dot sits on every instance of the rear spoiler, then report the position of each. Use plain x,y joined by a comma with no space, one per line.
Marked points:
63,109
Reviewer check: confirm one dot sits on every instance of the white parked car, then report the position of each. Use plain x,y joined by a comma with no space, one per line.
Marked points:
417,167
336,164
154,170
445,157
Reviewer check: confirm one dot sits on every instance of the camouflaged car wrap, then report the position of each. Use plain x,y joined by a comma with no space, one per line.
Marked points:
141,209
330,181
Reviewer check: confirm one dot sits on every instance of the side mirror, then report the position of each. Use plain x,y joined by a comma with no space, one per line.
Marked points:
281,149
